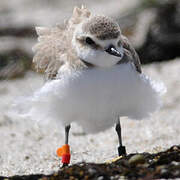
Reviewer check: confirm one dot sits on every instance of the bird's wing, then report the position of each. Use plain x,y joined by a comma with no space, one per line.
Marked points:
131,53
48,50
54,46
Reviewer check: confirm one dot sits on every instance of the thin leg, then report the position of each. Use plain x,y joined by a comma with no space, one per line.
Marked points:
121,148
67,128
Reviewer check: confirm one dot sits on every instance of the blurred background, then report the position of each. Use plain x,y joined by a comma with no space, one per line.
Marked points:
152,26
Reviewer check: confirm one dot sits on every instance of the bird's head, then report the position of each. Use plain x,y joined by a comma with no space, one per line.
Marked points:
97,41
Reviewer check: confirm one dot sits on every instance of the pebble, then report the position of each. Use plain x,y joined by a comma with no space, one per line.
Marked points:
92,171
136,159
100,178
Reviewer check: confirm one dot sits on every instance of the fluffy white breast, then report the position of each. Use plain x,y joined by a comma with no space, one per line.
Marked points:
94,98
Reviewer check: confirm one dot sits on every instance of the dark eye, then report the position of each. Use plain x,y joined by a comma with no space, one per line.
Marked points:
89,41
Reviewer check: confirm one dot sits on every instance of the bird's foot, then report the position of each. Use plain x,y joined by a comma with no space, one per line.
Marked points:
122,151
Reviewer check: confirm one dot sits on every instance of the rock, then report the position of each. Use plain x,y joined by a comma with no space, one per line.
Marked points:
15,56
14,64
163,36
136,159
153,28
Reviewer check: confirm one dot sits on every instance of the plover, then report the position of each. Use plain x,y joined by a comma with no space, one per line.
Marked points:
93,75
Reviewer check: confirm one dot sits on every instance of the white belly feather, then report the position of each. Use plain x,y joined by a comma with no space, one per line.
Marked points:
94,98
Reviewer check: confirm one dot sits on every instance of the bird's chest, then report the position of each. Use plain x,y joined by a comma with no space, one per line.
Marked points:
98,90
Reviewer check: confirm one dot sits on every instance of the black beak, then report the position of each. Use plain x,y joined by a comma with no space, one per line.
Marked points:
112,50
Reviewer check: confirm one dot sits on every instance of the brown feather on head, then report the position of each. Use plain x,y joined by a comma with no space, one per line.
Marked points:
102,27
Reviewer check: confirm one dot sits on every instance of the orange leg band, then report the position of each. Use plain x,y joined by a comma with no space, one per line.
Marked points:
64,152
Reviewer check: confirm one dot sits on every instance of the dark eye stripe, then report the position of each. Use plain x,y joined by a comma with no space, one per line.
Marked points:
89,41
